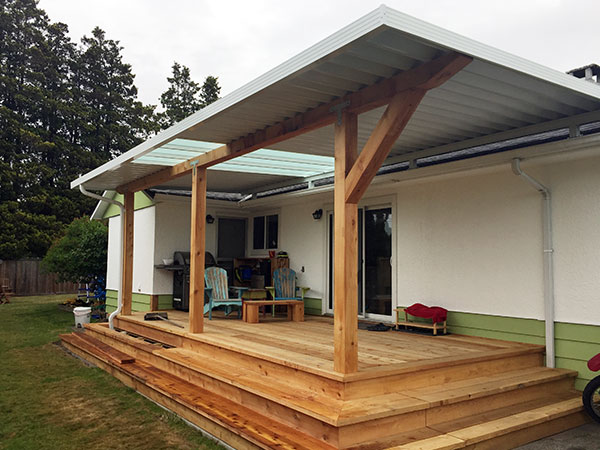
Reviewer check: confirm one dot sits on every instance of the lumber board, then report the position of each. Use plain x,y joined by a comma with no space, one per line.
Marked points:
127,282
197,249
345,264
113,354
380,142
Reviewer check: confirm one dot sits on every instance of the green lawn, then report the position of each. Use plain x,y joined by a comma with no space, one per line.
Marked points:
51,400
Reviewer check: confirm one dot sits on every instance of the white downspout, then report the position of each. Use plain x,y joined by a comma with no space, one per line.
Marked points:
548,259
122,215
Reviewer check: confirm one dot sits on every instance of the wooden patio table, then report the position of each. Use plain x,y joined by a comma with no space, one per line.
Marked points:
295,309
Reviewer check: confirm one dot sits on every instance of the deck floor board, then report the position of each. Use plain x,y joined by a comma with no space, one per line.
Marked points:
310,343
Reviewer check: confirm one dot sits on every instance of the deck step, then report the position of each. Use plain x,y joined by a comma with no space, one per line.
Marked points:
504,428
82,339
334,411
459,412
259,430
322,407
338,412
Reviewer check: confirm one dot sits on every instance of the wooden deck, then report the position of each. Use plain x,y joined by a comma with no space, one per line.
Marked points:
272,384
309,345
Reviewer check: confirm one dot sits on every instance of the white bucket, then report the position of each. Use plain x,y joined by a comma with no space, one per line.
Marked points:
82,315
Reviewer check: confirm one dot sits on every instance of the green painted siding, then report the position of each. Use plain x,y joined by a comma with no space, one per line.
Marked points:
312,306
140,201
574,343
165,301
139,302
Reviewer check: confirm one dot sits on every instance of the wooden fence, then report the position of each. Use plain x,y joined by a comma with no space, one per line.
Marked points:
25,277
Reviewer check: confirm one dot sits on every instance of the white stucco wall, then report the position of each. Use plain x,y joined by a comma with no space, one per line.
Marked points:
143,251
173,220
113,263
470,244
303,238
576,220
473,242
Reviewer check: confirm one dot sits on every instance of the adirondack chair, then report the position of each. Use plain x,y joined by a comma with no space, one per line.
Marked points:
217,291
284,286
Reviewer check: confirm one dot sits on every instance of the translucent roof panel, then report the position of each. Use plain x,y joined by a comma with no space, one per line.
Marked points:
263,161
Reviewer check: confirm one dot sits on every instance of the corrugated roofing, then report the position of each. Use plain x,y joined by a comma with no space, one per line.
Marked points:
496,93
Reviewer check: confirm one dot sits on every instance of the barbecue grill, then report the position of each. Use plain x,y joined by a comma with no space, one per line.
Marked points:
181,281
181,278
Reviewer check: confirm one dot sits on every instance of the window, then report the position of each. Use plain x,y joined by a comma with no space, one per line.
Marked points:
265,232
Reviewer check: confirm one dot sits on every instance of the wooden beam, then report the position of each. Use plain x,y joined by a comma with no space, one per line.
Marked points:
197,248
377,148
345,266
426,76
127,282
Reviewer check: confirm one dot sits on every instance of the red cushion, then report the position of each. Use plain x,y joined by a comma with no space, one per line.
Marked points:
435,313
594,363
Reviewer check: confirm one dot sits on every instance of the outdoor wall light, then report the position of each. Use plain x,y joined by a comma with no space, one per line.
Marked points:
210,219
317,214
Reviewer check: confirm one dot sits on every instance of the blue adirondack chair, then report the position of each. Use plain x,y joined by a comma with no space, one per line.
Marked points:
217,291
284,286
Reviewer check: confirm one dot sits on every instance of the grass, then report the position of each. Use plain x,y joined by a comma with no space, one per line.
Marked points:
51,400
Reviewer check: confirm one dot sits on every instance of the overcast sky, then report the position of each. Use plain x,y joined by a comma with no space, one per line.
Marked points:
240,40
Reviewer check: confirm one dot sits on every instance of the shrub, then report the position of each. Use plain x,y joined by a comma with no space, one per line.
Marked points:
80,255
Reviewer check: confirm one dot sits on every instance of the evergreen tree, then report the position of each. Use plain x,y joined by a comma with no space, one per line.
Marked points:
184,96
210,91
64,110
181,98
116,120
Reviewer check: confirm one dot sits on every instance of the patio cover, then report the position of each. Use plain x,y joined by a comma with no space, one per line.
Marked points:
497,96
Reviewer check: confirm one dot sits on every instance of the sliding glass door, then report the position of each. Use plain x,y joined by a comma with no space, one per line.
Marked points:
374,262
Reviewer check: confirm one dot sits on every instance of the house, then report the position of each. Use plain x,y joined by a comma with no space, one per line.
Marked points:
459,175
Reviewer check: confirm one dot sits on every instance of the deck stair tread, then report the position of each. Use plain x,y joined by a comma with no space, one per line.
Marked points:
513,422
488,385
475,429
258,429
109,352
134,341
450,393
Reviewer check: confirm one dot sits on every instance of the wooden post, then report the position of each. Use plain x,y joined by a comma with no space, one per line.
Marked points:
197,248
127,283
345,267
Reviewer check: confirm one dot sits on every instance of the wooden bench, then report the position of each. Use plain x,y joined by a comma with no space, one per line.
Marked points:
295,309
410,323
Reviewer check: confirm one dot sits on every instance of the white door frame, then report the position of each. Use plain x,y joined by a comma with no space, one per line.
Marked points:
366,204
